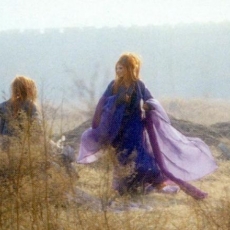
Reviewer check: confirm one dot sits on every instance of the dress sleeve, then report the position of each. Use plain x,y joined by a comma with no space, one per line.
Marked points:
147,94
109,90
144,91
97,114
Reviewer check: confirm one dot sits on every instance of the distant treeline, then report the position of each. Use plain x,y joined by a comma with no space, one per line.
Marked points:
187,60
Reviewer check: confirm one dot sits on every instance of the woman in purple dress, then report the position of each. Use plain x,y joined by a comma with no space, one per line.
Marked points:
130,120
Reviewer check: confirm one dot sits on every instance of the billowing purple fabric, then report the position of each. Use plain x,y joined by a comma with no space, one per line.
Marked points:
106,117
180,158
89,147
105,126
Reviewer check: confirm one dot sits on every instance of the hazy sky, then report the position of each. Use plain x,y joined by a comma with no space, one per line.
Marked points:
41,14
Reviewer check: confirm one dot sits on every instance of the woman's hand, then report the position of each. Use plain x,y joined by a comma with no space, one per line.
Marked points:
148,107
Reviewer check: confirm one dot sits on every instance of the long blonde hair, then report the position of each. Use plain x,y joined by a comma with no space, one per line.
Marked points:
132,64
22,89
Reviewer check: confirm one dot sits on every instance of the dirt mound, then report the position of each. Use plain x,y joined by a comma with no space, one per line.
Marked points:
73,136
223,128
210,134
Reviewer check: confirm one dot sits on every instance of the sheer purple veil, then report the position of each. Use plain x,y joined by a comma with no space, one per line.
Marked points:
180,158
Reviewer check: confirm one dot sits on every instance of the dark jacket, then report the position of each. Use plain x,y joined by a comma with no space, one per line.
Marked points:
10,125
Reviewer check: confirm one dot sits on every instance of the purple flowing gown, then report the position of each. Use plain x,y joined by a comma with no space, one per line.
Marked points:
161,151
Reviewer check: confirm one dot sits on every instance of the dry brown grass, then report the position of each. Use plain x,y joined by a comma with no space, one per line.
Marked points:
37,193
168,211
199,110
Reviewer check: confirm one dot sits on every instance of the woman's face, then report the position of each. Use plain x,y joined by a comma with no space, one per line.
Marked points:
121,71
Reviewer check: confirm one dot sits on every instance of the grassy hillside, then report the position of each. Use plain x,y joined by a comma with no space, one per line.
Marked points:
37,192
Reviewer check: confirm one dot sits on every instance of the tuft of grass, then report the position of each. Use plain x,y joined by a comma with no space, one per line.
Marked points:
37,192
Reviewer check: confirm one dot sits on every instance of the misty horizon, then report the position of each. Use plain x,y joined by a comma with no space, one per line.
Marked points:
178,61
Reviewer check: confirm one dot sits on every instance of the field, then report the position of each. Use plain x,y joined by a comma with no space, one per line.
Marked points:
38,192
